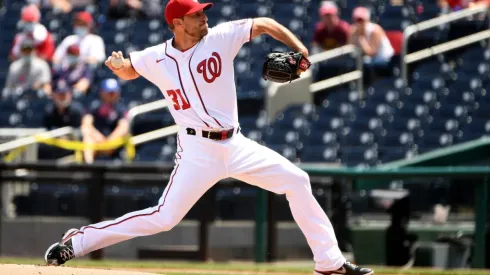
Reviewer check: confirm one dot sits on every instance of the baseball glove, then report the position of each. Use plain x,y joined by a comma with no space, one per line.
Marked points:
284,66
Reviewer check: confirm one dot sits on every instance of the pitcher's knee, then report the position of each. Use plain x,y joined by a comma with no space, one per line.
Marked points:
167,221
304,179
300,180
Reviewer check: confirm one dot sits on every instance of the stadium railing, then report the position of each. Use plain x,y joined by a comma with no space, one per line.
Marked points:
471,172
279,95
30,141
146,108
96,176
99,175
407,58
23,149
152,135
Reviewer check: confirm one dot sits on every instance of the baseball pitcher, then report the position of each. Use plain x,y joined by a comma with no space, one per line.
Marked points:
194,71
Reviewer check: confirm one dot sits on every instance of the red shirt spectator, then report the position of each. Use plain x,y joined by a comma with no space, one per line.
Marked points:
92,47
456,5
34,31
331,32
479,2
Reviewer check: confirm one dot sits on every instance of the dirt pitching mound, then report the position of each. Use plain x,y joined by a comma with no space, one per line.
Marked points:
13,269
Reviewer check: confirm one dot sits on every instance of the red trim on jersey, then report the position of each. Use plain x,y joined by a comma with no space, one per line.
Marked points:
181,150
251,28
199,93
180,80
129,218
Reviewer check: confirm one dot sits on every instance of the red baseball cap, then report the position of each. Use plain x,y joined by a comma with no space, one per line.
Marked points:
328,7
179,8
361,13
73,50
84,17
30,14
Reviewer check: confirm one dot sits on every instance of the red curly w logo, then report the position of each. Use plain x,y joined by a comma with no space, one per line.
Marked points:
212,66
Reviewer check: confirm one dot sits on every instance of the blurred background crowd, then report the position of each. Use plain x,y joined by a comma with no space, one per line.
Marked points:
53,50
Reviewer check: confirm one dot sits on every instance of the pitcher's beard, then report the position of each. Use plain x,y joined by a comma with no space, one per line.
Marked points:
197,36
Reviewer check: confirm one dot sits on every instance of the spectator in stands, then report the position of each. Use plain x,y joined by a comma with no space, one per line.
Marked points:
370,38
29,72
140,9
32,29
40,3
62,111
331,32
75,72
453,5
106,120
92,48
475,3
64,6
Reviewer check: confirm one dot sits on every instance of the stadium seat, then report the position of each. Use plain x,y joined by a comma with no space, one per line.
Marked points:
445,101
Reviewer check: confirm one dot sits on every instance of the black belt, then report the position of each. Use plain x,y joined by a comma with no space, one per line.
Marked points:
215,135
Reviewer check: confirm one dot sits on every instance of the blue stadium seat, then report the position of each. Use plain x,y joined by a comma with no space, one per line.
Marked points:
320,138
388,154
446,102
286,151
319,154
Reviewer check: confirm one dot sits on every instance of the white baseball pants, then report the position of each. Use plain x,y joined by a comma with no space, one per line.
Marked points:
200,163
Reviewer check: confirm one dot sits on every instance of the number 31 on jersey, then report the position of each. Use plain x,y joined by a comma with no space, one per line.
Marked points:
176,95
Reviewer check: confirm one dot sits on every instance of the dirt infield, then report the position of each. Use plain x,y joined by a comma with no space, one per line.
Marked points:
35,266
14,269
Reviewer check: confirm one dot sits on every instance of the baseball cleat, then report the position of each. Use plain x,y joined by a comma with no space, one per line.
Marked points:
347,269
61,252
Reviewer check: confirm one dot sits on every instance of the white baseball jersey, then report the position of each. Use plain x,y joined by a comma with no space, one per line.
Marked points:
91,46
199,82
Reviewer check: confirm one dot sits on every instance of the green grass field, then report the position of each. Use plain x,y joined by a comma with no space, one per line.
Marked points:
181,268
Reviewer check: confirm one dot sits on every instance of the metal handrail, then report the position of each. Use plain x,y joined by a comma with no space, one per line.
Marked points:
133,112
156,134
333,53
343,78
447,46
146,108
152,135
326,55
279,95
30,140
335,81
432,23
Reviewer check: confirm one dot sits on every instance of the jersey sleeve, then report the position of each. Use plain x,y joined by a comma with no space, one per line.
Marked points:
98,49
234,34
142,62
60,52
